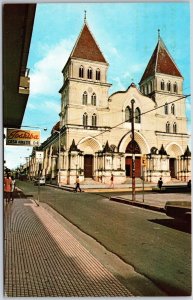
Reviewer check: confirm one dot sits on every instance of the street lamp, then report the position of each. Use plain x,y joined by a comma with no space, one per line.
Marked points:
58,156
37,127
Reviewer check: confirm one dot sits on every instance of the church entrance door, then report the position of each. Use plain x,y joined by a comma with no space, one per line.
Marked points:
128,160
88,166
172,164
128,166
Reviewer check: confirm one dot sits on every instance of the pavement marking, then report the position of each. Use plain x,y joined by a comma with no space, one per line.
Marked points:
43,259
72,248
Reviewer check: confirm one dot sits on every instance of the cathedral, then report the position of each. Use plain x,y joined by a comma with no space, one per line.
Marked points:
141,131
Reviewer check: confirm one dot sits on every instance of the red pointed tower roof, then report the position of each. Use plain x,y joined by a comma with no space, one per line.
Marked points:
86,47
161,62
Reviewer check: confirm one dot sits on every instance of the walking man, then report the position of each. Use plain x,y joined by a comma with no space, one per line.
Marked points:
12,188
77,185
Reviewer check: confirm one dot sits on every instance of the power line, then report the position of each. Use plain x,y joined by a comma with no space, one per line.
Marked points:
130,119
114,112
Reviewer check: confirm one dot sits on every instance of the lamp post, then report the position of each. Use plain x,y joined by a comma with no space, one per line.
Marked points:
58,156
133,149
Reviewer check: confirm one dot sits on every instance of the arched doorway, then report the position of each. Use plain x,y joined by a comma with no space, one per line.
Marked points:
128,160
88,166
174,151
172,166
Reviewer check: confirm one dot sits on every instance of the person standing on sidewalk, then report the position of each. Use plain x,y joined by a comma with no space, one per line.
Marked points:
77,185
7,187
12,188
160,183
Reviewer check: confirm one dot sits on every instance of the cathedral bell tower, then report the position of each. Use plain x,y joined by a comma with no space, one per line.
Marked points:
85,90
161,77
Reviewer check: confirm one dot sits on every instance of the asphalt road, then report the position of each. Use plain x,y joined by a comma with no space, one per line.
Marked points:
154,244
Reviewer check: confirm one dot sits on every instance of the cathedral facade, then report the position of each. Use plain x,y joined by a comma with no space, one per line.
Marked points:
137,132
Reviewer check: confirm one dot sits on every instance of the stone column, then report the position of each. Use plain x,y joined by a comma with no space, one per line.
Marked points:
53,166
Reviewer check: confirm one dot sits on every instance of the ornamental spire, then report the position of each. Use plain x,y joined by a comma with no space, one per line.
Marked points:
158,34
85,16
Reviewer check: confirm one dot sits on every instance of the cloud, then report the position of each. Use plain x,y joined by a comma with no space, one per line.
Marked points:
15,155
117,85
111,51
31,106
43,105
52,106
137,68
46,77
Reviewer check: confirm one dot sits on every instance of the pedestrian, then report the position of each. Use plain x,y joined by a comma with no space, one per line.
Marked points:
112,181
189,184
160,183
12,188
7,187
77,185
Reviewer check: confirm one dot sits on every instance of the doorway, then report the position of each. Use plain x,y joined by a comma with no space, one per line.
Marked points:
128,166
172,165
88,166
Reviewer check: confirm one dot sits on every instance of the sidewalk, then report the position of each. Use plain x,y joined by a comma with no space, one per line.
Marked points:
124,187
42,258
154,202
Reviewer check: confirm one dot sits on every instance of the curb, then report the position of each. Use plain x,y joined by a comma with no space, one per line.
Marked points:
99,190
138,204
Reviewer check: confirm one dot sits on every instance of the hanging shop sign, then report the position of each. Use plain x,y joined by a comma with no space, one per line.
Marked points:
144,161
39,156
20,137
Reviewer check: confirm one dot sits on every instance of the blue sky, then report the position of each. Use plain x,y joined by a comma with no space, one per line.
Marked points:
126,33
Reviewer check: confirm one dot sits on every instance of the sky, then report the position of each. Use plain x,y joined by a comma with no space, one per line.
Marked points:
127,34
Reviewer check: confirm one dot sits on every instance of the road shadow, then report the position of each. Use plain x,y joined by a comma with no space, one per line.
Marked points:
18,194
174,224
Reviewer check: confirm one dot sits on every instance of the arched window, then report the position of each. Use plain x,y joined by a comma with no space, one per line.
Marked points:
98,74
94,120
175,87
133,145
166,108
137,115
162,85
169,86
81,72
128,114
167,127
173,109
93,99
84,98
174,127
85,119
89,73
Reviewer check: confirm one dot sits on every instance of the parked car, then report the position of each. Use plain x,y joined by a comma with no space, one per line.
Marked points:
40,181
181,210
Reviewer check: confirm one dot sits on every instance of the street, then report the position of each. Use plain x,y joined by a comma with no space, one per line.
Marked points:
155,245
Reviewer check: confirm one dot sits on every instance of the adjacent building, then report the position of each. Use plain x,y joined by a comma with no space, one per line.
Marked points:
93,137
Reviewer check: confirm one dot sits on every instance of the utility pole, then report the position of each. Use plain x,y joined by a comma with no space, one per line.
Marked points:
59,145
133,148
